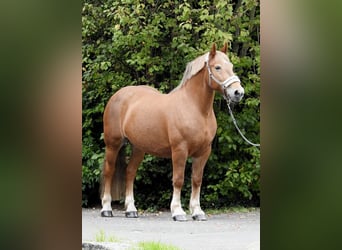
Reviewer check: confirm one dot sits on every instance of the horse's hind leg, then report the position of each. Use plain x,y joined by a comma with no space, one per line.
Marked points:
135,159
198,165
108,172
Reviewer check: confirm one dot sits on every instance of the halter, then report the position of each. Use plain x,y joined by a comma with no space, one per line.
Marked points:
226,83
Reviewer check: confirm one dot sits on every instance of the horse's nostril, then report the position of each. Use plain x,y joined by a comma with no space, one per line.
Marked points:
237,93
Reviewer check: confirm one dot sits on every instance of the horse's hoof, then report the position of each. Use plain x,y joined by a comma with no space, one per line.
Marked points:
179,218
199,217
132,214
107,213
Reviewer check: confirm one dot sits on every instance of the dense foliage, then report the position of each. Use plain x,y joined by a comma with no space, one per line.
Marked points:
134,42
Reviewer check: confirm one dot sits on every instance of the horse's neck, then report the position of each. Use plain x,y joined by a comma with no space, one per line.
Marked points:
200,93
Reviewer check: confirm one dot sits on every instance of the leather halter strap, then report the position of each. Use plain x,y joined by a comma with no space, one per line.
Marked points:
224,84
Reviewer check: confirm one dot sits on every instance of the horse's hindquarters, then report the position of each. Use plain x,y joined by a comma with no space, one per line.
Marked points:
144,121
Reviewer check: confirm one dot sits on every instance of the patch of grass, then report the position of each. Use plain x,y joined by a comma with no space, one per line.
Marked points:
101,237
152,245
238,209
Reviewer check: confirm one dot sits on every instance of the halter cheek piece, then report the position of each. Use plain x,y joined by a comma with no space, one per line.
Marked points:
225,84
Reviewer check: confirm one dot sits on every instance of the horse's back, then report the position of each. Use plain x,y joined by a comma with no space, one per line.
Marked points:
130,94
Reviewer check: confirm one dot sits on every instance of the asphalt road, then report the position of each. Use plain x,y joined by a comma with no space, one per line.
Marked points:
231,231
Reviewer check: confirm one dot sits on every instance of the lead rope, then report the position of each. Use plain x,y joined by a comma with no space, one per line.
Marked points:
235,123
225,85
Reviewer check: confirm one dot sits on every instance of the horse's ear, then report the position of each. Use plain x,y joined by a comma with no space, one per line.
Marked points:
213,50
224,48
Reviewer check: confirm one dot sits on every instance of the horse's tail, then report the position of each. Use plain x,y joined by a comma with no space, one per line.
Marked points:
119,177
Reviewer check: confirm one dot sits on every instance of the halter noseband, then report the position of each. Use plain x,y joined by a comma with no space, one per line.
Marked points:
226,83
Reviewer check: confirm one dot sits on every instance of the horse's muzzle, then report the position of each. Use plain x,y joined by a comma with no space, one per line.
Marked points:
234,95
238,94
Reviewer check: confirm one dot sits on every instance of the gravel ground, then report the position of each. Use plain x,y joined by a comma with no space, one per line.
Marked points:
233,230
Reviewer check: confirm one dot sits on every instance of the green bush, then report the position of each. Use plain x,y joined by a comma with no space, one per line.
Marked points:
135,42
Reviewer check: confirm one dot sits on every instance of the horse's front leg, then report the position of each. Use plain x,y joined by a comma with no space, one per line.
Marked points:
178,162
136,157
198,165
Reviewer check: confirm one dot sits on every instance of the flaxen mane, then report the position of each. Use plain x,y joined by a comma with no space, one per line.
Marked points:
192,68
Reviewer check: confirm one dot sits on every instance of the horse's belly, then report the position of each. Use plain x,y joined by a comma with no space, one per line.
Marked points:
161,152
151,145
147,130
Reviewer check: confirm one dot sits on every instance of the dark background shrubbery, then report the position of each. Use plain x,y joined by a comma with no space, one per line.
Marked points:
136,42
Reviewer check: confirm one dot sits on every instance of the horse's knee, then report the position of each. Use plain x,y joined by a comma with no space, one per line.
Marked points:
178,182
196,182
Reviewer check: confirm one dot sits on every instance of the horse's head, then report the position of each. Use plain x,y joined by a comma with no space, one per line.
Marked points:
221,74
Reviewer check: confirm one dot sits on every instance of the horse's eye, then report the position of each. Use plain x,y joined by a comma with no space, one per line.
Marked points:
217,67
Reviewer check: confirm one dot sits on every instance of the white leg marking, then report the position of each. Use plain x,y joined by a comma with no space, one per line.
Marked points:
106,202
195,207
129,204
176,206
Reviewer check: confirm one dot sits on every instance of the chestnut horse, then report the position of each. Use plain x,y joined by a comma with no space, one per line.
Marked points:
176,125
